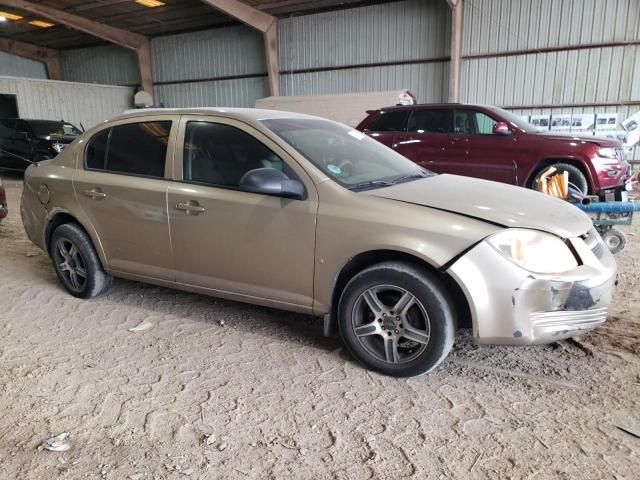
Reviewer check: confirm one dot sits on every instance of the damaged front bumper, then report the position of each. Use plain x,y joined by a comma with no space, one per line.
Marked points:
510,305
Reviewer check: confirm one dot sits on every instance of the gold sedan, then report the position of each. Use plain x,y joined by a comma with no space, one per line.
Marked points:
304,214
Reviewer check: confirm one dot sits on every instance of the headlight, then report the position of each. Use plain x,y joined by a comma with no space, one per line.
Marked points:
58,147
534,251
607,152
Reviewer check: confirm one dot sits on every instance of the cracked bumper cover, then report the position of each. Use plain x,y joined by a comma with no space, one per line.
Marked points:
510,305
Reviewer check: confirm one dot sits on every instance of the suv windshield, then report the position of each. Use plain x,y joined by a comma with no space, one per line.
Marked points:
44,129
513,119
347,156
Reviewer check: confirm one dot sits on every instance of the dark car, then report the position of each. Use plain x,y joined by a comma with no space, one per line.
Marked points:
23,142
491,143
3,202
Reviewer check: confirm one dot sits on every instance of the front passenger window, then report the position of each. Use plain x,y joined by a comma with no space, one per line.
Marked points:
472,122
217,154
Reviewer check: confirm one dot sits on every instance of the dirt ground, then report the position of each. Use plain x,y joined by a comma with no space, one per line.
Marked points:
218,389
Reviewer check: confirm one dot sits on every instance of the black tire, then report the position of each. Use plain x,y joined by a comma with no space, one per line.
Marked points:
400,344
576,177
615,240
71,251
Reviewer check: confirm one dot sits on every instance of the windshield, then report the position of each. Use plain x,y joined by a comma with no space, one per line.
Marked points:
514,119
347,156
53,129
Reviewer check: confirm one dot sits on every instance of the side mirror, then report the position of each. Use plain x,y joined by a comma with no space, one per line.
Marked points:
501,128
269,181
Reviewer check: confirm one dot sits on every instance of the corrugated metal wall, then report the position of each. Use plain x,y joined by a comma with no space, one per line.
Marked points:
15,66
190,69
410,37
108,64
553,56
74,102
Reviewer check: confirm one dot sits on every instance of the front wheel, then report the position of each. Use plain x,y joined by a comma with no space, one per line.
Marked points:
576,178
397,319
76,263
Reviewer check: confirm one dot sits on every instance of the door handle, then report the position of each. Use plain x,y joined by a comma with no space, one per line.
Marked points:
191,207
95,194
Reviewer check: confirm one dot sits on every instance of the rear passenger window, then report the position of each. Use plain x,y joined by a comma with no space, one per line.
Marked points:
97,150
139,148
218,154
134,149
390,122
430,121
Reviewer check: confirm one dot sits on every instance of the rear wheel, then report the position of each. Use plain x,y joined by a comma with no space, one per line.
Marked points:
397,319
76,262
576,178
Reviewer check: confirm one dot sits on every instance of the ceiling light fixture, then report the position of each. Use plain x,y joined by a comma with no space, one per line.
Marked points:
150,3
3,19
41,24
10,16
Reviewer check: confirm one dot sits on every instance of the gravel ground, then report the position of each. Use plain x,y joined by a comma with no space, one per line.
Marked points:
218,389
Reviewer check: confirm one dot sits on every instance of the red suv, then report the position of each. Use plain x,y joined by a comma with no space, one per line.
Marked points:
488,142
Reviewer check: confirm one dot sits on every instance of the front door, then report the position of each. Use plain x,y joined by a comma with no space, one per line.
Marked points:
478,151
123,191
228,240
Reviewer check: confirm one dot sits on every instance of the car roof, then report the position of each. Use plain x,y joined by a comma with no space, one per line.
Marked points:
428,105
237,113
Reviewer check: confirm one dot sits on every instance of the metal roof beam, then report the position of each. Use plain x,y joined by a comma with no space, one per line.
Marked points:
124,38
263,22
246,14
48,56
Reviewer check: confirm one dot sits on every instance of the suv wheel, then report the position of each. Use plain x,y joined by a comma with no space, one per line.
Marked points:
76,262
576,177
397,319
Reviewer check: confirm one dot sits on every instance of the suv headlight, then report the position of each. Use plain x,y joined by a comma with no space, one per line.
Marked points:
607,152
535,251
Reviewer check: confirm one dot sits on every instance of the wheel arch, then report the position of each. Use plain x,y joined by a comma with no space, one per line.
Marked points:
548,161
363,260
63,217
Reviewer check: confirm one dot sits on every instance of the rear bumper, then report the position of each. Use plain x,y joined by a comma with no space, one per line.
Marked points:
510,305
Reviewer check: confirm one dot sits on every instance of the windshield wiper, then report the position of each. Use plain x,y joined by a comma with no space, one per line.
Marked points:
370,184
406,178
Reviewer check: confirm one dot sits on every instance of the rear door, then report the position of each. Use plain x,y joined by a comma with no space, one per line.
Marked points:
388,124
477,151
426,140
122,188
228,240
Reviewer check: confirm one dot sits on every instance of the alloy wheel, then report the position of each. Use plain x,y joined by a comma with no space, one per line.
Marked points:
70,264
391,324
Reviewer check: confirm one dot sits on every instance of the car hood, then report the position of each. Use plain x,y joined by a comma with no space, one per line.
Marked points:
603,142
497,203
